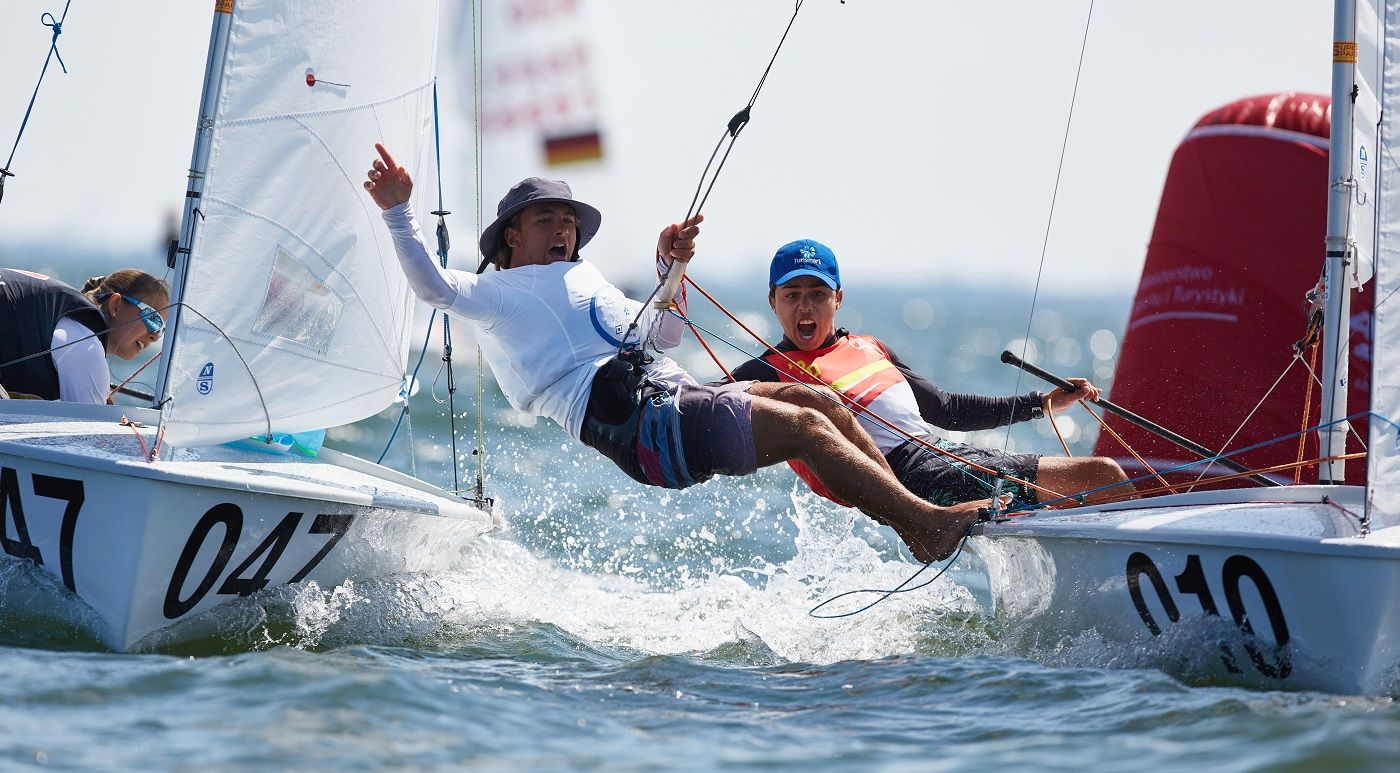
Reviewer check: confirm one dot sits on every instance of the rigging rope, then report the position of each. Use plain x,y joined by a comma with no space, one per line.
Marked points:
697,202
1050,219
1113,499
1250,415
408,387
47,20
885,593
1307,413
847,403
1212,459
1124,443
137,372
444,243
252,378
480,451
1318,380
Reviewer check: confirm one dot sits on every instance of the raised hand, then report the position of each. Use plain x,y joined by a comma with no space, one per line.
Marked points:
389,184
677,242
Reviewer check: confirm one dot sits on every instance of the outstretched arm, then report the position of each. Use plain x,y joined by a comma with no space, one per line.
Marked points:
962,412
391,186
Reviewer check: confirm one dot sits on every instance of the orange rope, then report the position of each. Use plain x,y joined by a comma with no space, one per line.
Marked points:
1165,487
1050,414
125,422
144,365
855,408
1122,442
1307,415
710,351
1234,476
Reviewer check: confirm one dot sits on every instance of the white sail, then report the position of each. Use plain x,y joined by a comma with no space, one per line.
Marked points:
1383,466
1365,136
296,314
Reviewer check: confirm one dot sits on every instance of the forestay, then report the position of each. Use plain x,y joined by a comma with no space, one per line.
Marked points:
1384,444
296,313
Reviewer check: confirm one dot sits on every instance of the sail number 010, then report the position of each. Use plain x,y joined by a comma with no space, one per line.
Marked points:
1192,581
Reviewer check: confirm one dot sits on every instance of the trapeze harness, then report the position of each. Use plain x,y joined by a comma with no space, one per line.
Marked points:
871,378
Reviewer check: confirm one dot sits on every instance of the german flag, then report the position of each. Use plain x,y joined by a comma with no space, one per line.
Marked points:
572,148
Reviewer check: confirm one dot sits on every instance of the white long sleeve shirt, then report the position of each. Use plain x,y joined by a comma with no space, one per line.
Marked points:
544,330
81,362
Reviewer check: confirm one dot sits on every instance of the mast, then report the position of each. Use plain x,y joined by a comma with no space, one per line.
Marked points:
191,218
1336,272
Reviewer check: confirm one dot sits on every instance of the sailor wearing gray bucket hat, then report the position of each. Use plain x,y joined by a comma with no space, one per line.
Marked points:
565,343
527,192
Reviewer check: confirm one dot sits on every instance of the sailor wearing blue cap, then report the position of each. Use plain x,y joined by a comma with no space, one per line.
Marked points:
898,408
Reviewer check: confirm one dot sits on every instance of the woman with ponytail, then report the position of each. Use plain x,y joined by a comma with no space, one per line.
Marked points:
54,339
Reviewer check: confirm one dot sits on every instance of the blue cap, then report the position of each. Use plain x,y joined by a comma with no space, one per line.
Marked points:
804,257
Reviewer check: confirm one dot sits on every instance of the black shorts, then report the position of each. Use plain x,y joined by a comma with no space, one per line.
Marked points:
943,481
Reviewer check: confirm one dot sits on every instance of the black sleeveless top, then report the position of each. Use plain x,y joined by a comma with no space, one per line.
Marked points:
31,306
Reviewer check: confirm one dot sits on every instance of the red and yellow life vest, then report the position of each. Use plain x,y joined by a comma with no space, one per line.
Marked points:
859,368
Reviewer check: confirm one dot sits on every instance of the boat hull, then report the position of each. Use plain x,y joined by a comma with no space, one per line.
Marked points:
151,547
1221,586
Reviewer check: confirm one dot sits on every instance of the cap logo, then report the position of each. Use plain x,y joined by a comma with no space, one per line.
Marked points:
808,251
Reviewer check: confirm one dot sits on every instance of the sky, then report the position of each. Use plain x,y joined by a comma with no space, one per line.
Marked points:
918,138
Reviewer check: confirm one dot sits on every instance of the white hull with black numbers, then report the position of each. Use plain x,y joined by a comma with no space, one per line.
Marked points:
152,546
1275,588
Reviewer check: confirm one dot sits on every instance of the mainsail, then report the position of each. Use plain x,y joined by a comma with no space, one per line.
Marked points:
296,315
1383,469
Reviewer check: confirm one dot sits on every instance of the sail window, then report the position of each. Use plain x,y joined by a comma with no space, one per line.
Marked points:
297,306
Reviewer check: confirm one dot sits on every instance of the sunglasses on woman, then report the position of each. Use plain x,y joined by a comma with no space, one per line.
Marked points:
152,318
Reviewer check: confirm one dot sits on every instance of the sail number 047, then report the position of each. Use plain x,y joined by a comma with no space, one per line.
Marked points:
249,576
1276,664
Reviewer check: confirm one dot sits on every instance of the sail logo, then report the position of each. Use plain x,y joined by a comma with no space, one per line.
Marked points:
1362,161
205,383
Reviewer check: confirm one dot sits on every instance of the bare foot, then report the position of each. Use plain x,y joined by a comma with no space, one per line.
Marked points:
935,537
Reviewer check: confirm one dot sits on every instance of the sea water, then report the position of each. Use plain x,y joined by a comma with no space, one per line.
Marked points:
616,627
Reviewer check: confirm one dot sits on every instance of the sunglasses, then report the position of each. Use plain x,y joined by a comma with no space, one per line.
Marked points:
153,320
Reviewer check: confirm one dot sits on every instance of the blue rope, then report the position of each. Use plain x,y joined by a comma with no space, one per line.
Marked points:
444,244
412,379
437,152
48,21
885,593
1080,497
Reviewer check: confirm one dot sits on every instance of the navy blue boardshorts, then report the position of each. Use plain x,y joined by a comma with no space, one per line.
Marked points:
673,435
942,481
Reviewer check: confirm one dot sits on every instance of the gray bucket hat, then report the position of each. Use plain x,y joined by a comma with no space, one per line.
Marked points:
537,190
